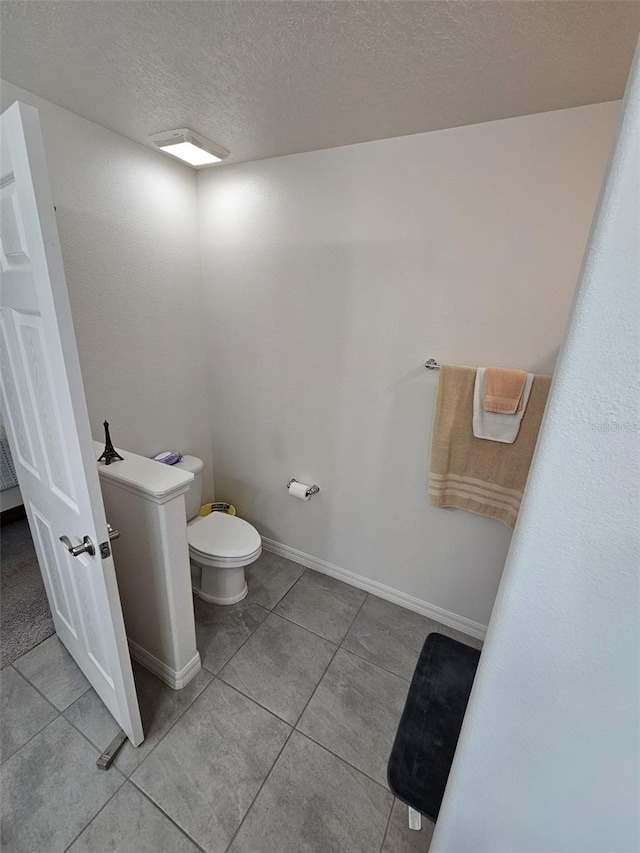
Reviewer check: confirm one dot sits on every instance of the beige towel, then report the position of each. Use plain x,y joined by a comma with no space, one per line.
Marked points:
503,390
466,472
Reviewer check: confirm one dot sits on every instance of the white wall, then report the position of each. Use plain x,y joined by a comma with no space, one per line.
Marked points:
127,218
332,276
549,757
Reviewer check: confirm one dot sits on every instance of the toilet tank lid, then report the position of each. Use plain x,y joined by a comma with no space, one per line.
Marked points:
190,463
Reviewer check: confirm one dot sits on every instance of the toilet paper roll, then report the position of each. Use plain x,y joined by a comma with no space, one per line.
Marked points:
299,490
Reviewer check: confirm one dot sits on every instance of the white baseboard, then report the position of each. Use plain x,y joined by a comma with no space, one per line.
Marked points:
177,679
431,611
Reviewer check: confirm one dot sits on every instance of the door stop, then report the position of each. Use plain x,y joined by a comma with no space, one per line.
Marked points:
106,759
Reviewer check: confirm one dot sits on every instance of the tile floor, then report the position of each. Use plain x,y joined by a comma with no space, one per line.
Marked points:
278,745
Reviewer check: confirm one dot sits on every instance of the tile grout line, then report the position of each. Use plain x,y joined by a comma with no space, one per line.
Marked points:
37,689
73,841
289,736
99,749
171,727
374,663
356,614
213,679
256,702
296,581
246,640
333,755
304,734
272,611
293,728
336,650
301,627
127,777
453,633
285,593
167,815
444,629
24,654
264,782
42,696
27,742
386,829
59,713
216,677
345,761
82,735
80,732
311,631
154,805
344,648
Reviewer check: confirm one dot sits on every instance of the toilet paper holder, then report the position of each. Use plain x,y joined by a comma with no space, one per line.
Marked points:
312,490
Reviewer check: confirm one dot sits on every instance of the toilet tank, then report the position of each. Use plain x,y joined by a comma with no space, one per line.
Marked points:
193,498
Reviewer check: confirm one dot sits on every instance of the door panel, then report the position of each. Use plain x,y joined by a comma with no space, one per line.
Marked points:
47,423
20,427
52,571
40,382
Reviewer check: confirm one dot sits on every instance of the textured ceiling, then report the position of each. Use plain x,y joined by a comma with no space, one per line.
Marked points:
267,78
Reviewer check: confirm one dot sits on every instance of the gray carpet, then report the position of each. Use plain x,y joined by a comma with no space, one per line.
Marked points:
25,617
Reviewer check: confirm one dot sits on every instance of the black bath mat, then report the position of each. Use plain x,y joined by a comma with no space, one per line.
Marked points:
430,725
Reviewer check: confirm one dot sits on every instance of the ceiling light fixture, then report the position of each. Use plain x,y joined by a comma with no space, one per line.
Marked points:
189,147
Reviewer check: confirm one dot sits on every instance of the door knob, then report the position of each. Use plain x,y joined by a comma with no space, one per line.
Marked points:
86,547
113,533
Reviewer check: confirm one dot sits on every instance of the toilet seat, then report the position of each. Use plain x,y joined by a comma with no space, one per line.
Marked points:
223,541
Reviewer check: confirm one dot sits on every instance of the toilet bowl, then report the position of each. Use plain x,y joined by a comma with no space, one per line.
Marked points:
220,545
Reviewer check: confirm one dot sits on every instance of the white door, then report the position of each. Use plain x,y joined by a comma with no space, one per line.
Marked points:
45,414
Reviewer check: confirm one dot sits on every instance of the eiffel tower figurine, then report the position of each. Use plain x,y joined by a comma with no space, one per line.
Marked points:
109,454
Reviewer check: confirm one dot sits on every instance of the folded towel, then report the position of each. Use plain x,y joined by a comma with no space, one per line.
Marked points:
479,476
503,390
490,425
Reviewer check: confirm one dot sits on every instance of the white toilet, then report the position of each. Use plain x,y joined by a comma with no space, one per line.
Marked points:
220,545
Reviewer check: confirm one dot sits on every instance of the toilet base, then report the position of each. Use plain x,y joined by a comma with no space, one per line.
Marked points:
218,585
212,599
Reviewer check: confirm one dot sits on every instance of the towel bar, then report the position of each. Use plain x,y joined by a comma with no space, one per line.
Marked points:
432,364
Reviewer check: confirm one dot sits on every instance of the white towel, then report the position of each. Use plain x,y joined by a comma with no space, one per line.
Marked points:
491,425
